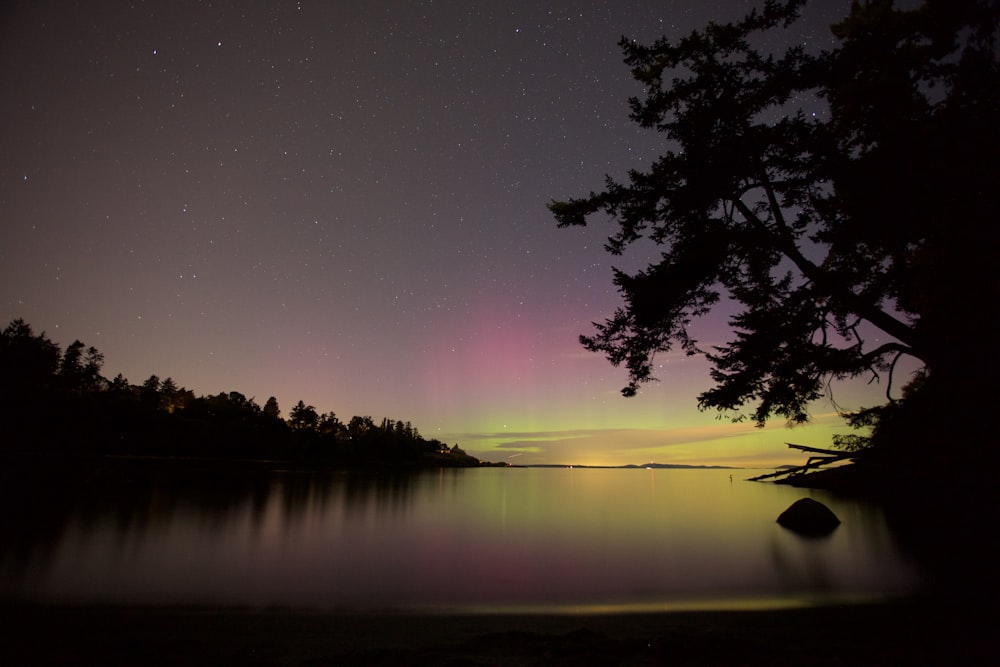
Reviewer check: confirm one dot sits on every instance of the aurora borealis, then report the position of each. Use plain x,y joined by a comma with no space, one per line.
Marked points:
344,203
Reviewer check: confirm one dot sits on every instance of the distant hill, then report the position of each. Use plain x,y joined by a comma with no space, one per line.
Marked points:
679,465
631,465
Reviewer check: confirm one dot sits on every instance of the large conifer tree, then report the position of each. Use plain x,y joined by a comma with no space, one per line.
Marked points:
847,237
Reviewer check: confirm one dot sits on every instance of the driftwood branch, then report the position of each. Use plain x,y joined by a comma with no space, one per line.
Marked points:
813,462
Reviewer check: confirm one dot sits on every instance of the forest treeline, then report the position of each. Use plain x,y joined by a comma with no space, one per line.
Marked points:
57,402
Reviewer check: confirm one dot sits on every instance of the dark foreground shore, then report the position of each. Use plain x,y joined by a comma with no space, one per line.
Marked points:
899,633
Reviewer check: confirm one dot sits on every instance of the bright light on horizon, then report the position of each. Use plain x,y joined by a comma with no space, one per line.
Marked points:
738,445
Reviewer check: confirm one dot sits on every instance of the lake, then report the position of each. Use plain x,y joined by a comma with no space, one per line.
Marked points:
486,539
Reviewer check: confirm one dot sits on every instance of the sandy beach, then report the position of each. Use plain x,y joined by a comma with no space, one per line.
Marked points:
911,632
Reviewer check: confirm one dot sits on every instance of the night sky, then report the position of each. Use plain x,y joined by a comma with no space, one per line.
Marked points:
344,203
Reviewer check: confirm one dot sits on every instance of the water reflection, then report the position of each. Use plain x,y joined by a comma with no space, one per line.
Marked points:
481,538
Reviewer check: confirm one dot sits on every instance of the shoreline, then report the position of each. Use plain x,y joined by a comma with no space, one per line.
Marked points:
926,631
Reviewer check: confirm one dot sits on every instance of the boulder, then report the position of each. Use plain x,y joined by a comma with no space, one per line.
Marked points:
809,517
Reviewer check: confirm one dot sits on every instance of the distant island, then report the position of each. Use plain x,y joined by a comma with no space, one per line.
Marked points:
56,405
670,466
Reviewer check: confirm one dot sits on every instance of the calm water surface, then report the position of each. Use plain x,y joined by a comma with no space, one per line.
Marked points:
480,539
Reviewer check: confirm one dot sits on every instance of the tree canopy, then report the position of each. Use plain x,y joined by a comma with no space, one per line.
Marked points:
55,402
839,199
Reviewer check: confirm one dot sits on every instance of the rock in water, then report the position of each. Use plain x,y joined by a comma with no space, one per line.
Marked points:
809,517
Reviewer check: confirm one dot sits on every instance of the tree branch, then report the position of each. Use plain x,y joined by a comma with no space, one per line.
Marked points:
784,241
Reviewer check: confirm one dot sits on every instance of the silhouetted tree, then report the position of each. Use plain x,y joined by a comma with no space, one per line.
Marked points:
119,384
359,426
28,363
329,424
58,403
271,408
243,404
93,362
150,391
842,236
303,416
80,368
171,397
71,366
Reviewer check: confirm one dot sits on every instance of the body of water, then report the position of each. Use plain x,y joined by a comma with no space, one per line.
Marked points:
490,539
